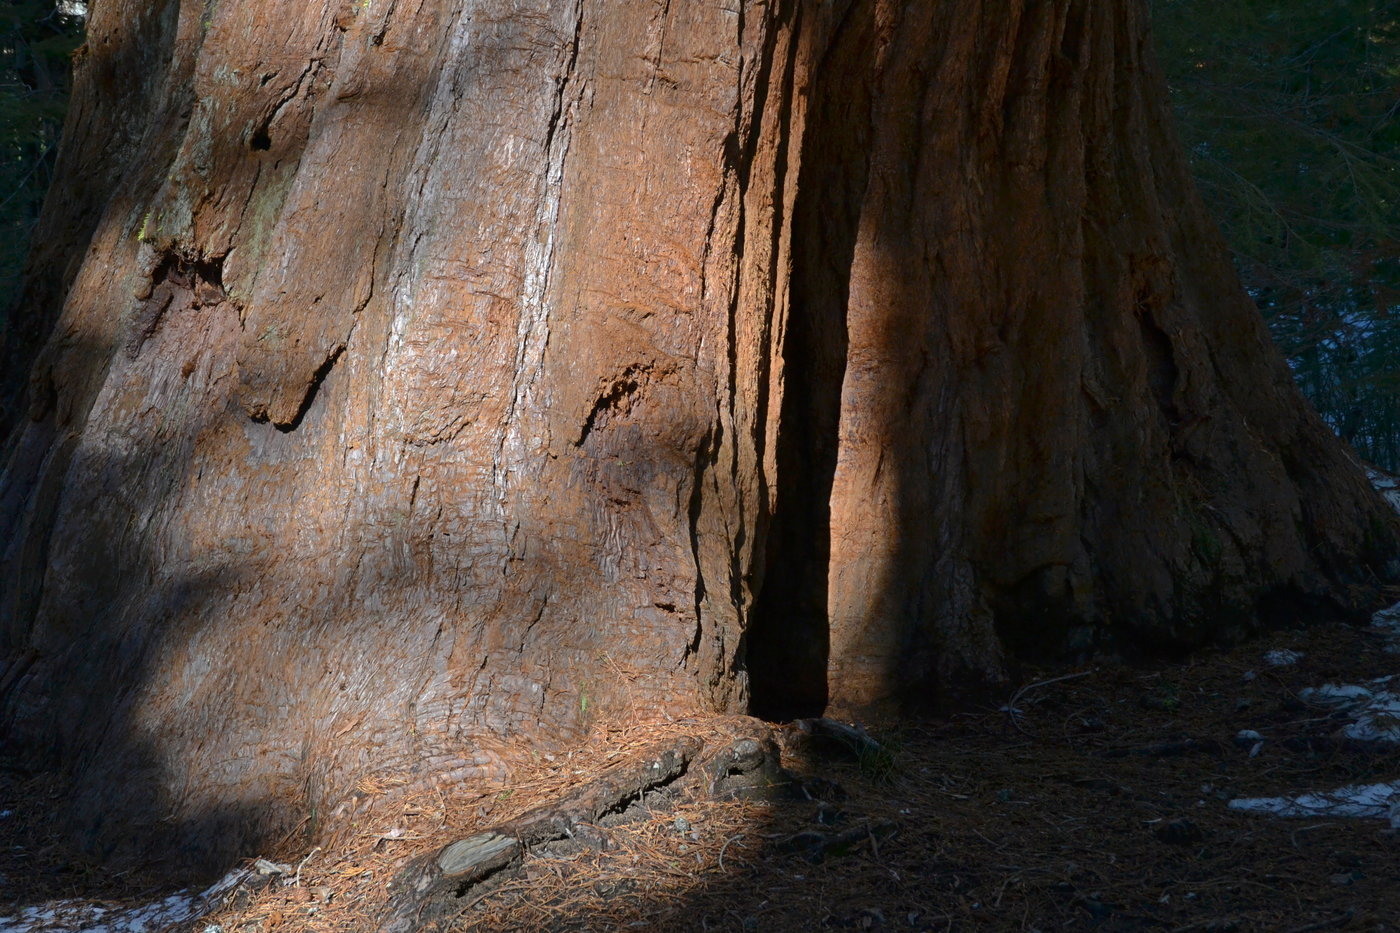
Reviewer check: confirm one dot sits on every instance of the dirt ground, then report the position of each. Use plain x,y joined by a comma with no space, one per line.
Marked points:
1101,803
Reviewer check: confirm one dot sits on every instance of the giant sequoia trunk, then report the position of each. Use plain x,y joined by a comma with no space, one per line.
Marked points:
425,380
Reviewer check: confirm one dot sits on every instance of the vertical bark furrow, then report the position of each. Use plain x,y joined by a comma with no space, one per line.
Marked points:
788,641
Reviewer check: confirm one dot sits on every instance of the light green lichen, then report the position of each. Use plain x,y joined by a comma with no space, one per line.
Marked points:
255,233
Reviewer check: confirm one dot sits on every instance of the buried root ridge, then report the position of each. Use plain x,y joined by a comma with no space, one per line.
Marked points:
708,783
1100,800
437,887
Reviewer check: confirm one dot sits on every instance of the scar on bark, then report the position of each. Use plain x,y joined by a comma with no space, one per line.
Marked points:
618,397
179,283
262,415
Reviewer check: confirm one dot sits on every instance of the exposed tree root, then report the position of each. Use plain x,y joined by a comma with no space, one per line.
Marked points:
434,888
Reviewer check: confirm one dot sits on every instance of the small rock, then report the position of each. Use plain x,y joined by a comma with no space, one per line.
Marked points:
611,889
808,842
1248,738
821,789
264,867
464,855
1283,657
1161,701
1221,925
1180,832
1096,908
871,917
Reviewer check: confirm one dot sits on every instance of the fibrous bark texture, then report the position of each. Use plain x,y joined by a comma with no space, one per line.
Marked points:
426,379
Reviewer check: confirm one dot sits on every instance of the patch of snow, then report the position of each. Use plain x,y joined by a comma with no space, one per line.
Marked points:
1388,486
82,916
1387,618
1376,727
1355,800
1387,622
1338,694
1248,738
1283,657
1375,710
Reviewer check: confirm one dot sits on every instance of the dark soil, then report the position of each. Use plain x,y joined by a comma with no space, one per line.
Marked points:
37,863
1100,804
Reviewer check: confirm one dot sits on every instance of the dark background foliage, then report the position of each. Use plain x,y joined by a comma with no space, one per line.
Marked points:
1289,109
37,41
1290,112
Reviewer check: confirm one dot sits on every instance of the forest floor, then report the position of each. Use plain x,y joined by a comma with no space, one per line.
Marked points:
1097,801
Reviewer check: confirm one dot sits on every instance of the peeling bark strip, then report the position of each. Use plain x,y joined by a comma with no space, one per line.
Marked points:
424,382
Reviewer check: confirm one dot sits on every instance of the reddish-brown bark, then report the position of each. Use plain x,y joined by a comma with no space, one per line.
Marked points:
437,377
